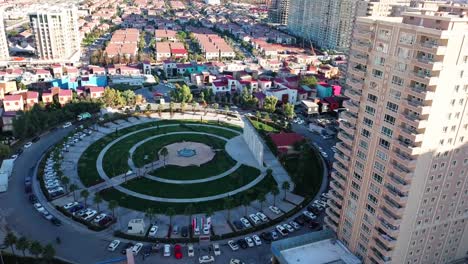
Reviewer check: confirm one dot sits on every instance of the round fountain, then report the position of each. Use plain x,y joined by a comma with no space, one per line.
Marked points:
186,153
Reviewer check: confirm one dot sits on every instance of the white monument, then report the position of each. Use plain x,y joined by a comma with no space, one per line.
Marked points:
254,142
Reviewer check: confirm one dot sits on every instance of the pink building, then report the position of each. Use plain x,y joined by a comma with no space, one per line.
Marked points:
13,103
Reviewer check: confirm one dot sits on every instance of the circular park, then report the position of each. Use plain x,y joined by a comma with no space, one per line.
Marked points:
181,169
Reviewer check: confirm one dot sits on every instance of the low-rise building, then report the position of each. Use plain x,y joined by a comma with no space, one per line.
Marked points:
13,103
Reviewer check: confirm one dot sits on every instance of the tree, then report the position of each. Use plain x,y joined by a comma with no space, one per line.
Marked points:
170,212
189,210
84,194
261,198
22,244
275,191
129,97
285,187
182,107
289,110
228,204
10,241
309,80
4,151
97,200
171,107
35,248
258,115
215,107
73,188
113,204
48,252
270,103
245,202
194,106
65,181
226,108
182,94
160,107
150,213
164,153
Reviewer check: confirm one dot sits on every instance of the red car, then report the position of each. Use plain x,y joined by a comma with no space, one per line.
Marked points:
178,251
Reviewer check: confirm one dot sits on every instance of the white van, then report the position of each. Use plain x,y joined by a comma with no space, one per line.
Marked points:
167,250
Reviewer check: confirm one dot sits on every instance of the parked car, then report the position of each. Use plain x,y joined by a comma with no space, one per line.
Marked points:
190,251
274,235
216,249
300,220
136,248
167,250
249,241
89,215
245,222
236,261
233,245
184,231
309,215
67,124
262,216
282,230
178,251
99,218
238,224
257,240
113,245
206,259
39,207
254,218
289,228
295,225
27,145
153,230
242,243
32,198
274,209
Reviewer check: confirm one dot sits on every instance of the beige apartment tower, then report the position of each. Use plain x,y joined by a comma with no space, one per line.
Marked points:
399,184
55,29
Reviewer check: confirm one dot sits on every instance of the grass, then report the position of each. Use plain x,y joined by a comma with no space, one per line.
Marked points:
240,177
87,162
263,127
142,205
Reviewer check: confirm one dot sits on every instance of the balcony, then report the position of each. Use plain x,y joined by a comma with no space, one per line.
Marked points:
393,207
347,127
344,148
417,106
421,91
432,47
361,46
383,249
356,84
387,240
340,178
411,134
424,78
332,225
359,58
414,120
379,256
353,94
363,33
337,187
349,117
336,197
395,195
336,207
351,106
400,168
403,158
387,228
408,147
340,168
358,71
428,63
332,214
400,183
390,218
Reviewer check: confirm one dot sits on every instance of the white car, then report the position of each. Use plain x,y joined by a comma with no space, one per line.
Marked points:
289,228
113,245
295,225
99,217
233,245
216,249
206,259
153,231
249,241
136,248
326,195
206,230
27,145
257,240
281,230
39,207
324,154
274,209
254,219
67,124
245,222
235,261
309,214
90,215
167,250
262,216
191,252
319,202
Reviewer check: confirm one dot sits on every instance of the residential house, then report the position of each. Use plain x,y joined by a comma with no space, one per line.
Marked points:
32,98
95,92
13,103
65,96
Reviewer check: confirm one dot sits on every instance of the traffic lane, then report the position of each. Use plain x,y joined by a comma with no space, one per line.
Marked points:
25,220
325,144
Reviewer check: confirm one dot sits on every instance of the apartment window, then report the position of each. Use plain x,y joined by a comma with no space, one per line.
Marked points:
354,196
401,67
364,144
397,80
403,53
379,166
392,107
372,199
368,122
377,73
370,110
379,61
387,131
355,186
365,228
382,155
377,177
365,133
374,188
364,237
372,98
357,176
370,209
395,94
384,143
389,119
361,155
359,166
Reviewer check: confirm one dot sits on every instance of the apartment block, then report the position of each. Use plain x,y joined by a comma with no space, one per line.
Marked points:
278,11
399,185
4,54
55,30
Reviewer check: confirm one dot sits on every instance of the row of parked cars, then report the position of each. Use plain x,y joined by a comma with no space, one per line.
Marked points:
52,181
38,206
89,215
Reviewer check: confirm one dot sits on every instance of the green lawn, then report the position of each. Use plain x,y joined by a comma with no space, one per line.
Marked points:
142,205
87,163
240,177
262,126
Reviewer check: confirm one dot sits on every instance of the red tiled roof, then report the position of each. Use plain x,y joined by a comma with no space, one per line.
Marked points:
285,139
14,97
63,92
96,89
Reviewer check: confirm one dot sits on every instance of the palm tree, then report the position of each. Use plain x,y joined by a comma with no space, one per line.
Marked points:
35,248
228,203
189,209
10,241
164,153
22,244
73,187
48,253
258,115
113,204
245,202
275,191
97,200
261,198
84,194
209,212
215,107
226,108
65,181
285,187
150,213
160,107
170,212
171,108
